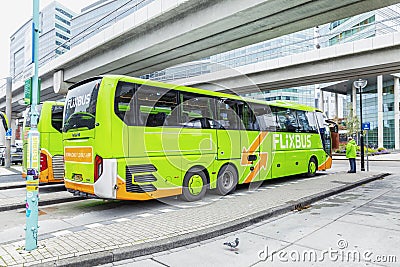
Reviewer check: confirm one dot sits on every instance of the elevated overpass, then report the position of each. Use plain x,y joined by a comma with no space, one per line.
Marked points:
169,32
359,59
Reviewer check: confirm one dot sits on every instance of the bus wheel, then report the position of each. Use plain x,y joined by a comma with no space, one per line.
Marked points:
312,167
227,180
194,185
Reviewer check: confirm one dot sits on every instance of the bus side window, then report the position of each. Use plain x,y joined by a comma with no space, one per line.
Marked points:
276,123
303,122
123,102
265,119
312,122
195,110
226,116
281,117
156,106
248,118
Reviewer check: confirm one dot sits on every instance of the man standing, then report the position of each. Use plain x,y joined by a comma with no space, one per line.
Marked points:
351,152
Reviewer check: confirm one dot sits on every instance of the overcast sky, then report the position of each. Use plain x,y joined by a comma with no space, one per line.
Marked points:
14,14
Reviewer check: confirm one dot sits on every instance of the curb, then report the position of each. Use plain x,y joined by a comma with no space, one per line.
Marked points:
375,160
12,186
41,203
23,184
105,257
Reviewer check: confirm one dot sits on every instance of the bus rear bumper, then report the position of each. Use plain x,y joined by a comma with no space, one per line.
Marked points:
88,191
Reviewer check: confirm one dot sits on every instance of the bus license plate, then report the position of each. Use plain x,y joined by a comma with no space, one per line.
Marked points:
77,177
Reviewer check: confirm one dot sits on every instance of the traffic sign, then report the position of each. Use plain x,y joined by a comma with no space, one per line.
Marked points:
366,126
9,134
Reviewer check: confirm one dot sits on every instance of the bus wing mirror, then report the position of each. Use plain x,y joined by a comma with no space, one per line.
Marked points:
4,120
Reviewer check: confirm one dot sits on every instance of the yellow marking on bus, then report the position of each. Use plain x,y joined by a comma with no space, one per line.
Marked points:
253,148
262,163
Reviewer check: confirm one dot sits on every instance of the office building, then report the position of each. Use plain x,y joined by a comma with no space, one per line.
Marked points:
370,24
55,30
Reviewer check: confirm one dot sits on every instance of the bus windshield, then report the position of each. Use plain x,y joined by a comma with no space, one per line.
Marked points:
80,106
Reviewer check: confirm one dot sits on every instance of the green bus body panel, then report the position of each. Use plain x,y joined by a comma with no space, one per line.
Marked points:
50,138
173,151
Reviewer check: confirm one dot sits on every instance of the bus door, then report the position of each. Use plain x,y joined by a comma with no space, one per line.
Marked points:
198,136
227,123
266,124
250,141
325,135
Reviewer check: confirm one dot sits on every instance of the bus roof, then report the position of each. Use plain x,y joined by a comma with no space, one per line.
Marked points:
284,104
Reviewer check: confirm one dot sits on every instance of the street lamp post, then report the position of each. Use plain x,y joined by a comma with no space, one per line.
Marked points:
360,84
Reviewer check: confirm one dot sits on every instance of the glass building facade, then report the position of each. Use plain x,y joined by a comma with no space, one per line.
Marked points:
278,47
366,25
370,111
370,24
55,27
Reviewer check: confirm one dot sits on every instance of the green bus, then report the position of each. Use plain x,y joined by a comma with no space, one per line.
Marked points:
133,139
51,147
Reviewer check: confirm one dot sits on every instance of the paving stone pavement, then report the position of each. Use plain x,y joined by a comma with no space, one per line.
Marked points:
179,226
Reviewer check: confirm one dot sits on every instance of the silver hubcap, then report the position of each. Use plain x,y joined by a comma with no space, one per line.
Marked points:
227,179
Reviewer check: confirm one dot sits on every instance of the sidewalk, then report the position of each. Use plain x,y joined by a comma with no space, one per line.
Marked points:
14,169
384,157
179,225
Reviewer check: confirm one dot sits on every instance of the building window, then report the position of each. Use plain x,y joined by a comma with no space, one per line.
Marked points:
62,28
62,36
64,12
63,45
63,20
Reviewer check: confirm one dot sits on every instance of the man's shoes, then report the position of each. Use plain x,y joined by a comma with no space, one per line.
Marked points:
351,172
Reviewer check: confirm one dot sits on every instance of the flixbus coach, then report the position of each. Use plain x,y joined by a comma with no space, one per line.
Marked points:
134,139
51,147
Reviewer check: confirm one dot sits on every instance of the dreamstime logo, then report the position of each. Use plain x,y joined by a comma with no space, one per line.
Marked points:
339,254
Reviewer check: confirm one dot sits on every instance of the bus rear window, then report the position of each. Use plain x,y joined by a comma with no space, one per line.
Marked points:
80,106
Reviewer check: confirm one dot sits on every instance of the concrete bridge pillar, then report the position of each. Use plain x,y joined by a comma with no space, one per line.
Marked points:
322,101
354,100
336,105
396,113
380,110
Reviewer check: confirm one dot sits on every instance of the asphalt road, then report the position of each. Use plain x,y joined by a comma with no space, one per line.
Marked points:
11,178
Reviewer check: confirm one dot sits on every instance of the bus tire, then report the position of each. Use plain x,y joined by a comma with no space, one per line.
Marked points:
227,180
312,167
194,185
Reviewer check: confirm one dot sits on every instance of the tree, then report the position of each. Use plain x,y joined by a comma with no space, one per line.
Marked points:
352,122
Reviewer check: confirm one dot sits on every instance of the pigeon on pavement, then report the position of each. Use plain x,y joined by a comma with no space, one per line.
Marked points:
232,245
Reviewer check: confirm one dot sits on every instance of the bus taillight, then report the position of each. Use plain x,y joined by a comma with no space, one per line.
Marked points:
98,167
43,162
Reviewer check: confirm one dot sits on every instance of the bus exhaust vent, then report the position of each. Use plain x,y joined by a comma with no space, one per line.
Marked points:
58,167
134,188
141,168
145,178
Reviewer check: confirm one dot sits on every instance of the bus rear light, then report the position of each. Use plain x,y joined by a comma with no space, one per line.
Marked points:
98,167
43,162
